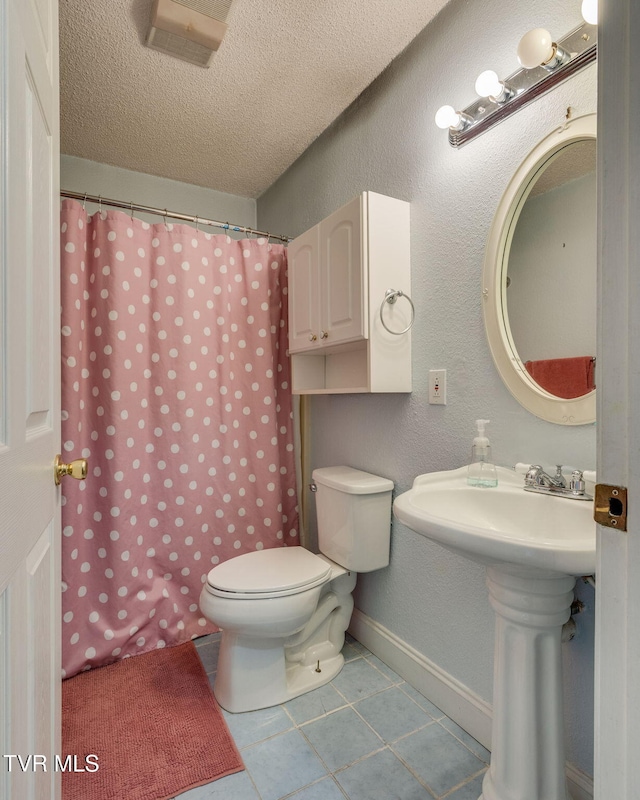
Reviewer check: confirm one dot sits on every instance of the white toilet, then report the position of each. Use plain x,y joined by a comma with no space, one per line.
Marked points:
284,611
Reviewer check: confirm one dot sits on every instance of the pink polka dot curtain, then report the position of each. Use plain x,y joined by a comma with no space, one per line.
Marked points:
175,386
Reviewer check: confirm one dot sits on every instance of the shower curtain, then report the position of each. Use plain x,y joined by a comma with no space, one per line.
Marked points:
175,387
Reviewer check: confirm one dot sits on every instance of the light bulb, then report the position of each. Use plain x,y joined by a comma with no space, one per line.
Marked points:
489,85
536,48
447,117
590,11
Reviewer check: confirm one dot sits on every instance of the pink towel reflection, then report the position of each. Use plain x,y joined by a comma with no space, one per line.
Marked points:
564,377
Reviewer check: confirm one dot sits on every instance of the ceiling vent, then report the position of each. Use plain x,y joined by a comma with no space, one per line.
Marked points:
188,29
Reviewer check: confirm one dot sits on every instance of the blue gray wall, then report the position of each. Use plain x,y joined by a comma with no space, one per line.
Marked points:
387,142
92,177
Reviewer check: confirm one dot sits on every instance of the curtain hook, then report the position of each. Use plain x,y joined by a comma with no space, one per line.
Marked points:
165,216
100,204
84,202
132,210
197,223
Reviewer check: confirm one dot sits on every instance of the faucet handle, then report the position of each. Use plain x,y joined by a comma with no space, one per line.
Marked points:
576,484
533,475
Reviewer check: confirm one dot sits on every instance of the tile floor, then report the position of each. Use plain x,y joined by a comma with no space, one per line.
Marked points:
367,735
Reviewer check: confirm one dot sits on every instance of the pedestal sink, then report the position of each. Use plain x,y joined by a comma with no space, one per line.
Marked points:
533,546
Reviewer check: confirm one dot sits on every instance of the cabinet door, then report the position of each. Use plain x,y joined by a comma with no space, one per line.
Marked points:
342,276
303,258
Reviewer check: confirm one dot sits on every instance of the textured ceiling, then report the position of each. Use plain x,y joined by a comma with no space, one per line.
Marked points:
574,161
285,70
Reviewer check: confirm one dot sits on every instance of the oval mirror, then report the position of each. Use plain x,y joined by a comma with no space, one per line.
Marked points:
539,278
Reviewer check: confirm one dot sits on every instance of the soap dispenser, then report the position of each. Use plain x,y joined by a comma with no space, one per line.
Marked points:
482,471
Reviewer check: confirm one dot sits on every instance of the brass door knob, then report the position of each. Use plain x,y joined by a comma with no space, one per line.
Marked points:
77,469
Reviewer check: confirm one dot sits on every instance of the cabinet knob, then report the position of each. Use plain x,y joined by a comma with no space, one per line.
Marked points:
312,337
324,334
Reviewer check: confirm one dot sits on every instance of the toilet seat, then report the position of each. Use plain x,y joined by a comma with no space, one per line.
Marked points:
276,572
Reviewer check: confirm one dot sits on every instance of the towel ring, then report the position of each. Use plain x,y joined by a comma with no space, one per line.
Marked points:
390,296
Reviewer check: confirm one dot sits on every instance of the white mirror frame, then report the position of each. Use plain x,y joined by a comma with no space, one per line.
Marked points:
578,411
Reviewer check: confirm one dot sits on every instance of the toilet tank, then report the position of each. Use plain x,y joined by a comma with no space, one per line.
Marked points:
354,517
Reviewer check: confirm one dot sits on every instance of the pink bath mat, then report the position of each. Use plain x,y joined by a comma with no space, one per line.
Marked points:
151,725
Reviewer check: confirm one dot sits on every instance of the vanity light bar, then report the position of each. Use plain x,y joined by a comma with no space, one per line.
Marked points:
580,49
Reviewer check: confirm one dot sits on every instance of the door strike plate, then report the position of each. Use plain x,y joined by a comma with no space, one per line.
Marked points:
610,507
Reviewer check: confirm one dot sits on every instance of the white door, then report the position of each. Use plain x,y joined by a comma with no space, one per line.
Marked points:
29,400
342,277
617,701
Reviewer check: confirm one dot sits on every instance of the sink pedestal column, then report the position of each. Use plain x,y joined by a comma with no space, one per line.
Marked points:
527,754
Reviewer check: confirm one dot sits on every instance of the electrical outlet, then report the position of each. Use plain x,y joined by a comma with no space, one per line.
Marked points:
438,387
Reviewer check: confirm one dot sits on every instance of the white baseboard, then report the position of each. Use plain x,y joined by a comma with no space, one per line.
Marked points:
456,700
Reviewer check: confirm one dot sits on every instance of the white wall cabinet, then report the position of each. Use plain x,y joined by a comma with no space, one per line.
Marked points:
327,282
339,271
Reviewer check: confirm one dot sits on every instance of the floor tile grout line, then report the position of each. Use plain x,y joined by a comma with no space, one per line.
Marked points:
457,738
458,786
253,783
319,717
400,679
410,733
313,783
422,727
346,766
415,775
426,785
408,696
435,719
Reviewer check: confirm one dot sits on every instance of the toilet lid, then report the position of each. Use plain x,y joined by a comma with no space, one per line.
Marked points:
279,569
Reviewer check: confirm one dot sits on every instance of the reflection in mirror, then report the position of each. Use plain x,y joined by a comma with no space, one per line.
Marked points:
549,295
540,220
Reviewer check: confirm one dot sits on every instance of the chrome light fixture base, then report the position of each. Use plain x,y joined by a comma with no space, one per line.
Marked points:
581,46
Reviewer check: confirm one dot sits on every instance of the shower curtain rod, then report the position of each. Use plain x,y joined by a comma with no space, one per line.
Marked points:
162,212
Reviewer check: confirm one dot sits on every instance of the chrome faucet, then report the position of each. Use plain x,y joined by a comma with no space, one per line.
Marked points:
536,476
537,480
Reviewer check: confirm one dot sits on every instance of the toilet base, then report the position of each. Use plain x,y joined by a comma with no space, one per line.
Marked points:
303,679
258,672
253,674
